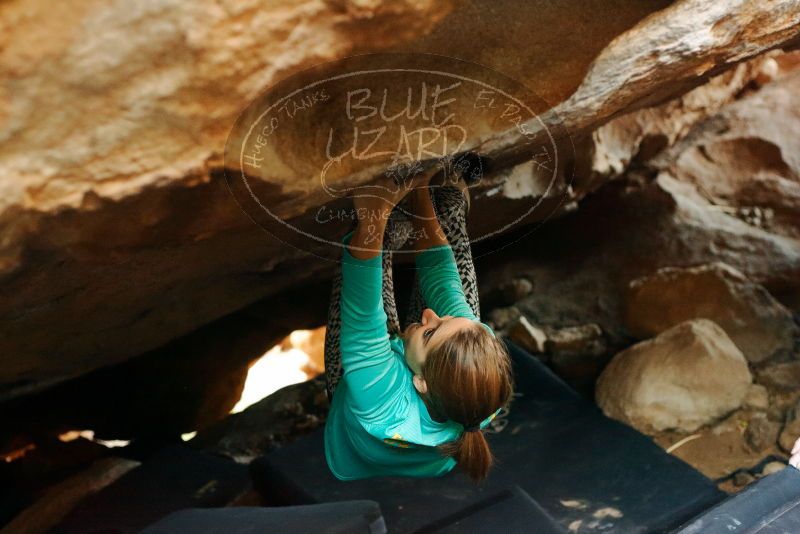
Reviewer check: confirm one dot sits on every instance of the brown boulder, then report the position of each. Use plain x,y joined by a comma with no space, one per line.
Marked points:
686,377
757,398
761,433
529,336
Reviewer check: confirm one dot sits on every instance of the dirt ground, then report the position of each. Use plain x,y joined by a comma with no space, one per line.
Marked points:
721,452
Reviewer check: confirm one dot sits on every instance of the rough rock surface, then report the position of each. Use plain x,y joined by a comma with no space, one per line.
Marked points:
191,382
686,377
584,262
503,317
119,233
721,450
757,398
578,354
772,467
754,320
645,218
761,433
781,376
269,423
58,500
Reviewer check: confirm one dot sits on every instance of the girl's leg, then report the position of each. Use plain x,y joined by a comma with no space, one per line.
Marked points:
397,232
451,207
398,229
333,355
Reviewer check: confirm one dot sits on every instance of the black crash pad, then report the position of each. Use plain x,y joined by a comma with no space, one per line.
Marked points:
172,479
588,472
333,518
511,510
768,506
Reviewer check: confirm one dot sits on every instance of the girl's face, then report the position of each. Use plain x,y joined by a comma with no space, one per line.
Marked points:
420,338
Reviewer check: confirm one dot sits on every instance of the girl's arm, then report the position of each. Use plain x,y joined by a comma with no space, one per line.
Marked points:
425,223
440,283
369,366
367,238
439,280
373,373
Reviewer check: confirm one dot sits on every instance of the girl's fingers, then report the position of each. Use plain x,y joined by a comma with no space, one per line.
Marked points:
796,448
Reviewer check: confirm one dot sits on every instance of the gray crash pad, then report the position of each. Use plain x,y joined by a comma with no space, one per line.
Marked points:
768,506
511,510
355,517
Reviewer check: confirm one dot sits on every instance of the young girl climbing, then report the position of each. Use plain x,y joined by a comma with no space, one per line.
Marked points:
411,401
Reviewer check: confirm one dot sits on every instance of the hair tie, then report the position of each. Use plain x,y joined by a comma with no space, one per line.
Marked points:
477,426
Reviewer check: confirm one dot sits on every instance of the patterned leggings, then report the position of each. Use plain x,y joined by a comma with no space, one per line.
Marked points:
451,207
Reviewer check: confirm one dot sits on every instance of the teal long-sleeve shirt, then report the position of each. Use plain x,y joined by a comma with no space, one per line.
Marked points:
378,424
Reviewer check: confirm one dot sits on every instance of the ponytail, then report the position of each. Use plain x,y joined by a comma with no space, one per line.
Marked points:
468,377
471,452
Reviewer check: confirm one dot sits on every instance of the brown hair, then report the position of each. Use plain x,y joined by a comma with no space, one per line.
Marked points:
469,377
